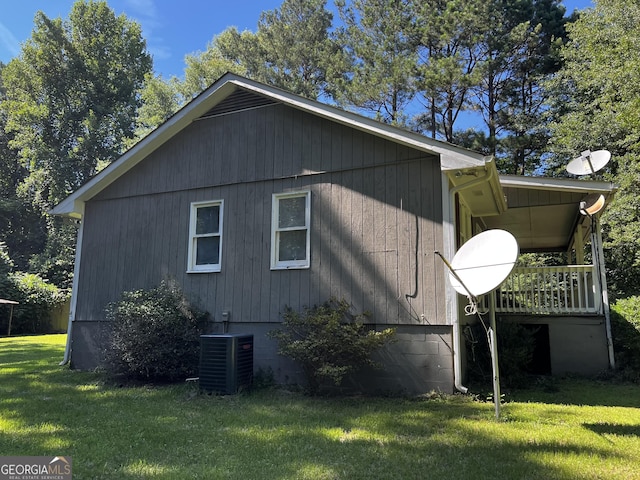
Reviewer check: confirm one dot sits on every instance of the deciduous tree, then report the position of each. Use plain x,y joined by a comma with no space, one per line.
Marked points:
22,228
72,96
291,49
71,100
597,105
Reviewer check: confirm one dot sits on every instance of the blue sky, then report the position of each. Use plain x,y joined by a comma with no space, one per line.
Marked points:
172,29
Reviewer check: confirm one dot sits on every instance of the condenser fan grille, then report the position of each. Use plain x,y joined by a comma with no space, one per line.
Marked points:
226,363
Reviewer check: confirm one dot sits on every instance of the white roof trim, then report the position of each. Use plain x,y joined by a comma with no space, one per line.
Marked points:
73,205
451,156
552,183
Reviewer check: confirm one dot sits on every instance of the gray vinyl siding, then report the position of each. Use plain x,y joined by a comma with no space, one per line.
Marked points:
376,219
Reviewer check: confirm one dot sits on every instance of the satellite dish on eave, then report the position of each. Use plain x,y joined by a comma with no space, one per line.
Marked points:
589,162
484,262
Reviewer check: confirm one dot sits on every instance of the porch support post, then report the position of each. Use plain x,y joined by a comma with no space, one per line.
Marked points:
579,244
10,318
598,254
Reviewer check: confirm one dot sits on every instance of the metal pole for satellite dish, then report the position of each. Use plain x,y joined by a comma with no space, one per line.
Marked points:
493,345
491,335
587,154
456,276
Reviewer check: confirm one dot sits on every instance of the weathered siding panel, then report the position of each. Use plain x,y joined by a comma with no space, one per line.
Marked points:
376,275
376,215
220,150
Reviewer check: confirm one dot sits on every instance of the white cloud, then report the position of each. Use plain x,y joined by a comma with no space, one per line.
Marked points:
9,42
146,13
142,5
160,52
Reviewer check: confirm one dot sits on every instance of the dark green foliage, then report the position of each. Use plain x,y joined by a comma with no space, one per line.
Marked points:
328,341
6,264
71,97
263,378
274,54
375,71
68,105
625,327
56,260
155,335
516,344
22,227
36,297
602,111
298,66
621,230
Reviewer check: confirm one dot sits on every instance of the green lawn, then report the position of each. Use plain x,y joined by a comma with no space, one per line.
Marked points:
580,430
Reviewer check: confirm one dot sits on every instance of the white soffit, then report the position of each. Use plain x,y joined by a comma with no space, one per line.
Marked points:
559,184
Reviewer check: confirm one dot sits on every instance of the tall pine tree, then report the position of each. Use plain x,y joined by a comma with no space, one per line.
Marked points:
379,59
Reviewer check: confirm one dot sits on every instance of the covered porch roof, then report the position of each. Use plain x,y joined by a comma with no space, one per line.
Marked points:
543,213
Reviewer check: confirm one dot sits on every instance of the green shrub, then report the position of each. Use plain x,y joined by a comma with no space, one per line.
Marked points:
154,335
36,297
328,341
625,329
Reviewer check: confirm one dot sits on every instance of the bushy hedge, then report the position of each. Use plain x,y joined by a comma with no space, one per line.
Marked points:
328,341
154,335
36,297
625,327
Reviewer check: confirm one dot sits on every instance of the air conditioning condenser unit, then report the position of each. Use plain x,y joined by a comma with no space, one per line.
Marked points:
226,363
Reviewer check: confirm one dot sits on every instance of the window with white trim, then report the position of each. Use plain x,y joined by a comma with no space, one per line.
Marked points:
205,236
290,230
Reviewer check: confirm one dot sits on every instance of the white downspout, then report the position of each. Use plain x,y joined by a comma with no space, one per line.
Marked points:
74,295
449,247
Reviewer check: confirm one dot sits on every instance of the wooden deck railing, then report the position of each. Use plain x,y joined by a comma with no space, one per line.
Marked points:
550,290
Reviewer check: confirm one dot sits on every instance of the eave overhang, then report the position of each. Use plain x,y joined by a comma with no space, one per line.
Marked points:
480,188
543,213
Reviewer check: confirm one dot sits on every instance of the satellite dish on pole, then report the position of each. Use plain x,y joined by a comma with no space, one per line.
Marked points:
480,266
484,262
589,162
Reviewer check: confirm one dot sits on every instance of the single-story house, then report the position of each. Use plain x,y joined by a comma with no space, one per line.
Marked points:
253,199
